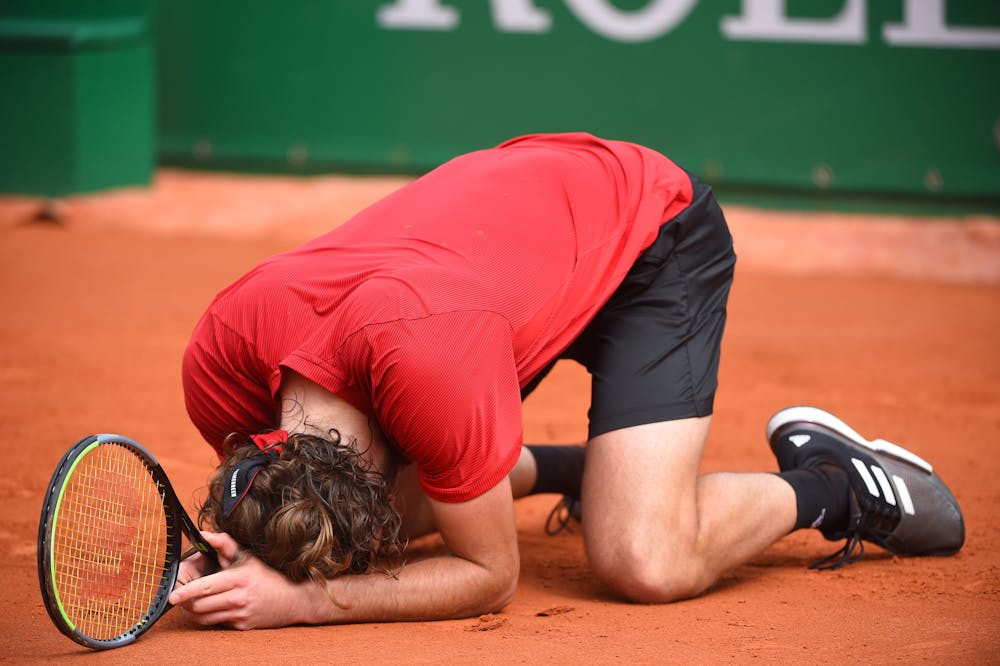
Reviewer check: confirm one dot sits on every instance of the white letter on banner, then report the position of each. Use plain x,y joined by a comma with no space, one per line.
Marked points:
924,25
419,14
657,18
520,16
765,21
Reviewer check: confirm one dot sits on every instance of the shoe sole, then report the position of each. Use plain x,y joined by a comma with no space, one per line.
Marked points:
824,418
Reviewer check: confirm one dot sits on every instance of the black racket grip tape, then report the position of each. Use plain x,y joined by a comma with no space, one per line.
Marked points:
198,541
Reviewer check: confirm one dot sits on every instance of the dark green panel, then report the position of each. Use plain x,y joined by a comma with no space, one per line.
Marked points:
116,141
36,88
314,85
77,112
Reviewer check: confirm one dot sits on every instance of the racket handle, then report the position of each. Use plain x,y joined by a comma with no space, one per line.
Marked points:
201,546
198,542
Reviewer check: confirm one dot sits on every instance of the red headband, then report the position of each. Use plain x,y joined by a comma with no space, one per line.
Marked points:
270,441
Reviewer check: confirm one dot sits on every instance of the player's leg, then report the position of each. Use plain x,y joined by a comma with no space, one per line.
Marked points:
654,530
524,474
547,468
550,469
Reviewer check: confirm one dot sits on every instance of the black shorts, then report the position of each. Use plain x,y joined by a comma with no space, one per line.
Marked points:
653,349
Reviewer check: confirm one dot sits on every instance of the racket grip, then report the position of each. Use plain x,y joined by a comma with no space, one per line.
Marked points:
198,543
201,546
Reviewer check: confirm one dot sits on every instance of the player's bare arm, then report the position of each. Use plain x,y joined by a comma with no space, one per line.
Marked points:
478,575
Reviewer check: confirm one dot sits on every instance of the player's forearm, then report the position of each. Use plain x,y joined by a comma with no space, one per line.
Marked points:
435,589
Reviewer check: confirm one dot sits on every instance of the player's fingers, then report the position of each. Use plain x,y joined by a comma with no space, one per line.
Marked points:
208,620
200,588
189,570
215,608
225,546
231,607
229,616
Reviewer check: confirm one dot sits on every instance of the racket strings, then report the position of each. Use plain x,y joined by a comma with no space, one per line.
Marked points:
110,544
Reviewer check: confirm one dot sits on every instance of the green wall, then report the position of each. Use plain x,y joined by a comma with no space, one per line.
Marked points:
312,85
877,99
77,95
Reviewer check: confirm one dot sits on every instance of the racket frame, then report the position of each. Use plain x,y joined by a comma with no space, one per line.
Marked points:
174,514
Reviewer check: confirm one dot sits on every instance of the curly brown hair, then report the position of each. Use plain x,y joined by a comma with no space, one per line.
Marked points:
316,512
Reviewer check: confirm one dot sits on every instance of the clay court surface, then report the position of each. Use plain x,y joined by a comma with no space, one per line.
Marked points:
891,323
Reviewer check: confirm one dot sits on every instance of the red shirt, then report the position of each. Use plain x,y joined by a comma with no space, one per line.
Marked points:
433,307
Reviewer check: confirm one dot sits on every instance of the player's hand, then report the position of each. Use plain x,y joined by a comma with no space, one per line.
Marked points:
195,566
247,595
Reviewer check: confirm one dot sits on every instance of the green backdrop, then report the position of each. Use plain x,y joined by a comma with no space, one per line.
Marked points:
77,95
315,85
827,99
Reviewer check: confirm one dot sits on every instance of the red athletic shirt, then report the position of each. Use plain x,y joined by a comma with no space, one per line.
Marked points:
432,308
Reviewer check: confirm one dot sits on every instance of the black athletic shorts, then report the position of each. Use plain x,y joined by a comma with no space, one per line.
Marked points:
653,349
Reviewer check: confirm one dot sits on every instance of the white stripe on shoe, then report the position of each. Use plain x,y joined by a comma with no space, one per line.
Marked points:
866,476
883,482
904,495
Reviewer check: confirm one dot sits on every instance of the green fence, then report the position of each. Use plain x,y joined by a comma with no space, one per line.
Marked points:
894,97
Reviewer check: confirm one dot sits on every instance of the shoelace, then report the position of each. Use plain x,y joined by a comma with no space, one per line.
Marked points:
866,529
562,516
850,553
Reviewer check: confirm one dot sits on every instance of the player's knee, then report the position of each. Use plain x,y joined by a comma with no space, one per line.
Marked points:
644,575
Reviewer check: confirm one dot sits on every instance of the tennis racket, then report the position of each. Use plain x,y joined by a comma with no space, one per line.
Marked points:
109,542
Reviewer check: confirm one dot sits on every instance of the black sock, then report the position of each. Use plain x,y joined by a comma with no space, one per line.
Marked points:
822,496
560,469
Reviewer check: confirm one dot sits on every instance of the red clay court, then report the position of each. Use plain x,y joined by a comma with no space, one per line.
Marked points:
891,323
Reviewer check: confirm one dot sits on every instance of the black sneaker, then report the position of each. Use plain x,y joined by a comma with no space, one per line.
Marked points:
897,501
563,515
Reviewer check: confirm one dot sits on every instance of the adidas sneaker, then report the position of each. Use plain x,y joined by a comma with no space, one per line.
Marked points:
897,501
